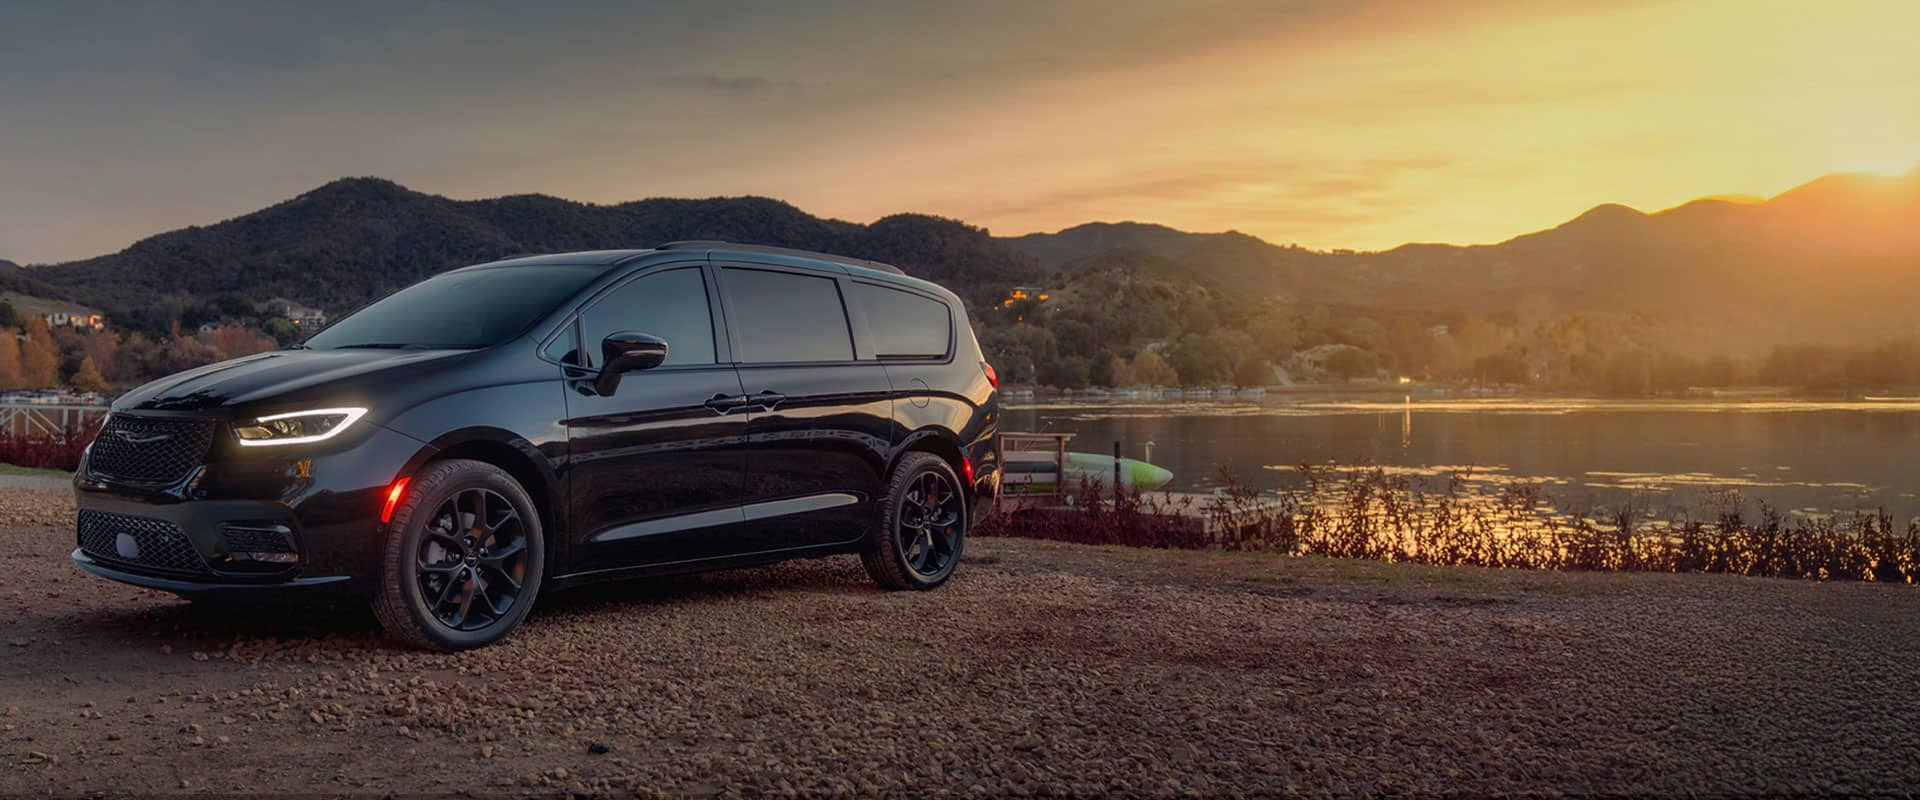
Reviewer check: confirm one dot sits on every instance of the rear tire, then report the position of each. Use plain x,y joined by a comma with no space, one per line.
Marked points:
464,558
923,527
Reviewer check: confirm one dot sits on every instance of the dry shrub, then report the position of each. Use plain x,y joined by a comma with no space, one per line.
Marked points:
1367,512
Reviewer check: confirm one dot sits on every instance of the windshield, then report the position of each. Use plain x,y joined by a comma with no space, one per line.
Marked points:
459,310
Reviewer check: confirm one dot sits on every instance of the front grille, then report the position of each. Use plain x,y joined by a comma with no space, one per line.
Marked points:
138,542
150,449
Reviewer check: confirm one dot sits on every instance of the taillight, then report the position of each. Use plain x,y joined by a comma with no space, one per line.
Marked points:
992,377
966,465
394,494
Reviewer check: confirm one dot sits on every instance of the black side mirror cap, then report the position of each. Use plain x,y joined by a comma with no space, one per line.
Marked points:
627,351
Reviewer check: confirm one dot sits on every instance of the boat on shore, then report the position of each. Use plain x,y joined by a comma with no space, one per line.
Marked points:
1039,472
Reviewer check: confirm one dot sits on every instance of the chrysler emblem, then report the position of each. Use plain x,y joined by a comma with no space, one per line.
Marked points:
134,438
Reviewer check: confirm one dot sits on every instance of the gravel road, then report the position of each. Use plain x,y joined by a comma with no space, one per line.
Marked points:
1041,668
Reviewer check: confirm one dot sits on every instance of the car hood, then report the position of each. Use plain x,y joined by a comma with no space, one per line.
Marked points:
306,377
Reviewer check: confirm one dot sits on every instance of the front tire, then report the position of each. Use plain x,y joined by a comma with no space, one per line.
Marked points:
464,558
923,527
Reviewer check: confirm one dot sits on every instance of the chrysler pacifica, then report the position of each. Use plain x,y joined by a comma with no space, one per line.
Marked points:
455,449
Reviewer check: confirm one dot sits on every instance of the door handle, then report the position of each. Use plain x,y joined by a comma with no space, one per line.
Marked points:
724,402
767,399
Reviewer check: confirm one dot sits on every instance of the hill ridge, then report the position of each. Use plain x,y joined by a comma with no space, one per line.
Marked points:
1834,252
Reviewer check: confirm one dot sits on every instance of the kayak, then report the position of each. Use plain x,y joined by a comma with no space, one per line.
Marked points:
1035,472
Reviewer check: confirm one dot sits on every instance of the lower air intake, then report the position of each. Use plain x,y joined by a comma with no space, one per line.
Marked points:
141,543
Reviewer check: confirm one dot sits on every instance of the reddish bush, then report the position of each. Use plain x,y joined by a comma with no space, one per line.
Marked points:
57,450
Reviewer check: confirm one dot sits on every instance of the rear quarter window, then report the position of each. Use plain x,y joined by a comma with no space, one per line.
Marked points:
904,324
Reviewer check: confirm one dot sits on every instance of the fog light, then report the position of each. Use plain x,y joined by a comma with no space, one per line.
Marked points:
260,543
270,558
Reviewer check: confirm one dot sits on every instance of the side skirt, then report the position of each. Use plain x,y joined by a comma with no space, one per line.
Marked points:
702,564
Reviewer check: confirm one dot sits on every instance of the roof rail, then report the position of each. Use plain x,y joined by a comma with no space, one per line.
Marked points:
707,244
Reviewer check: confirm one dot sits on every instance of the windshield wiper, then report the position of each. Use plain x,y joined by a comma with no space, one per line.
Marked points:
405,346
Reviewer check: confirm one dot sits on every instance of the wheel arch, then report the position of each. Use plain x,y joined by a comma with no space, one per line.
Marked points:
520,459
940,442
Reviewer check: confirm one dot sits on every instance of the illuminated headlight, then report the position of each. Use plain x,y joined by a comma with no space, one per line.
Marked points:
298,427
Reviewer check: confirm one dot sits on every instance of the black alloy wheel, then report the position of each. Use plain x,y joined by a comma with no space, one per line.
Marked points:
923,526
464,557
472,560
929,524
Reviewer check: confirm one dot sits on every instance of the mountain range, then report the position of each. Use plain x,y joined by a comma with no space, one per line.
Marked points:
1835,259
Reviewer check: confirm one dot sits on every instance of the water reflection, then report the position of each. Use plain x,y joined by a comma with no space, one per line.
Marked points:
1809,457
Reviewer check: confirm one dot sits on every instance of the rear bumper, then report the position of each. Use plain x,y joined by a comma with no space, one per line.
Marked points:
989,469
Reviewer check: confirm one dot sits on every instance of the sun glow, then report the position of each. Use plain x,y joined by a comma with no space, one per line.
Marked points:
1885,167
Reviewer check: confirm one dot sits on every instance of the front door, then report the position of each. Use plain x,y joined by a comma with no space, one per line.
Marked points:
822,417
659,466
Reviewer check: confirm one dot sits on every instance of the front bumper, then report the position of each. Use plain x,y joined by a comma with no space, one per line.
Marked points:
329,585
316,509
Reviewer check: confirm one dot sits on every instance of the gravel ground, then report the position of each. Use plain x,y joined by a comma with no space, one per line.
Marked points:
32,482
1041,668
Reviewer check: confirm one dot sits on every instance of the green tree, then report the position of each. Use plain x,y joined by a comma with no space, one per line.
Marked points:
281,329
1149,369
1252,370
1629,374
1066,372
1411,345
1361,332
1505,366
1203,359
1117,373
1348,363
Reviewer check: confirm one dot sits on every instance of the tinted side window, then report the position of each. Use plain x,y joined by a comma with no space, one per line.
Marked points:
787,317
904,324
671,305
565,348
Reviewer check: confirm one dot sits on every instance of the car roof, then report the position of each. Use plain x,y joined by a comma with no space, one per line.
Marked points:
604,258
856,267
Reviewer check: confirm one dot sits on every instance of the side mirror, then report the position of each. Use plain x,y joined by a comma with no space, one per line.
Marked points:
627,351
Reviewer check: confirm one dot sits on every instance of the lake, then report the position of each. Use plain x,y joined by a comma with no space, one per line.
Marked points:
1667,456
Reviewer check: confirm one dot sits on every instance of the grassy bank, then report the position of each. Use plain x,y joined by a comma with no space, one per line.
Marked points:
32,472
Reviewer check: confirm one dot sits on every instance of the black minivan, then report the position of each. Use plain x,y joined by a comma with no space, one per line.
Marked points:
456,448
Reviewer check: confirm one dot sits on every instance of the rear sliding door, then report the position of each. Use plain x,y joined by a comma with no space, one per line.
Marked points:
821,422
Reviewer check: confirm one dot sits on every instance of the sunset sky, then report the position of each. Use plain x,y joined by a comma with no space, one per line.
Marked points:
1330,124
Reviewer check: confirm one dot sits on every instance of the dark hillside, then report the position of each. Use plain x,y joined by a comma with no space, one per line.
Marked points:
354,239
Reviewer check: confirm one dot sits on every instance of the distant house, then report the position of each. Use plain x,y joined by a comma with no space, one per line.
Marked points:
209,327
1020,293
81,320
302,317
1314,359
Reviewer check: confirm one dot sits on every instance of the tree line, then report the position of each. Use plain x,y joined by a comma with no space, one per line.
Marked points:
35,356
1127,322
